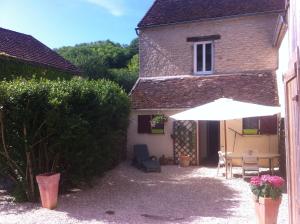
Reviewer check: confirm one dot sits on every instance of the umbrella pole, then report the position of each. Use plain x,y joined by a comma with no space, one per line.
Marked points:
226,164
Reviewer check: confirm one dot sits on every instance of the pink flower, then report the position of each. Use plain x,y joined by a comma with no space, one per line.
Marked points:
276,181
265,178
255,181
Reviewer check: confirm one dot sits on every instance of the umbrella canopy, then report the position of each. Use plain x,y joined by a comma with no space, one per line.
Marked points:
226,109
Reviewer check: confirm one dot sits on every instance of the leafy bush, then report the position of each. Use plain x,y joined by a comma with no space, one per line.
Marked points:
124,77
75,127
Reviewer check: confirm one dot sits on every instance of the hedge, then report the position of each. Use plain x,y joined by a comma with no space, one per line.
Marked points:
75,127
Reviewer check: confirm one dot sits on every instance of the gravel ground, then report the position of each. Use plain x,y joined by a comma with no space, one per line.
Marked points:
127,195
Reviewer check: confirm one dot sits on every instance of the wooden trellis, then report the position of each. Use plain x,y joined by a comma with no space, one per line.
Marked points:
185,140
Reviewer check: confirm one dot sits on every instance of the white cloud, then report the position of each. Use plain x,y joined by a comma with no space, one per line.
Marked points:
115,7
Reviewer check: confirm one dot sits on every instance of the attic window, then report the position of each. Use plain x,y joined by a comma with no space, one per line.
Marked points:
203,58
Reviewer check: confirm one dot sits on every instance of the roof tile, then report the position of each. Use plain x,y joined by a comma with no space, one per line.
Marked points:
178,11
26,48
187,92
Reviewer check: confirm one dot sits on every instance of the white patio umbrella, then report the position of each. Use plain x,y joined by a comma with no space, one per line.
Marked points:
226,109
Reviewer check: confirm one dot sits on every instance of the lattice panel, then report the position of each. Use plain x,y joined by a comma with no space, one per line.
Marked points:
185,140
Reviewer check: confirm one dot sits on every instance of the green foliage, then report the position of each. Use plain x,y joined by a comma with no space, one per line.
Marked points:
124,77
11,69
134,46
75,127
106,59
109,53
267,191
134,64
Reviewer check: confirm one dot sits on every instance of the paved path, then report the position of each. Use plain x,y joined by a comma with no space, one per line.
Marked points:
127,195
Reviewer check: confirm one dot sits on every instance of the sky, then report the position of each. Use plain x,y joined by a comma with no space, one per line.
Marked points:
59,23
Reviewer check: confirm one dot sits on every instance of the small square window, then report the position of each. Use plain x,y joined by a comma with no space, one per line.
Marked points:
250,126
203,58
146,127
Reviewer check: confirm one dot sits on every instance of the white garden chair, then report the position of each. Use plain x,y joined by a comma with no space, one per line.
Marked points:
222,163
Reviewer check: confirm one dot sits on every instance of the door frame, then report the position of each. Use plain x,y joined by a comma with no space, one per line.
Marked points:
292,151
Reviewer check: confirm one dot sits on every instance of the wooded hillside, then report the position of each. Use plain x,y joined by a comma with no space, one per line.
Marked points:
106,59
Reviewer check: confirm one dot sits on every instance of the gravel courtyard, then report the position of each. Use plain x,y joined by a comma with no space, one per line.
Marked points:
127,195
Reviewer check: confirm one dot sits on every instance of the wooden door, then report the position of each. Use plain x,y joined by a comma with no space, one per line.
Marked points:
292,92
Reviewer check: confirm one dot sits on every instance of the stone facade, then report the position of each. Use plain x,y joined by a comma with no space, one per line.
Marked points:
244,50
245,45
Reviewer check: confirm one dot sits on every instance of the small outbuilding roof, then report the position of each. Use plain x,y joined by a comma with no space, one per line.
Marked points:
191,91
26,48
165,12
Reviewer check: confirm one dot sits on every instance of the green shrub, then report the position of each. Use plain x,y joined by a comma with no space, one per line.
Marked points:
75,127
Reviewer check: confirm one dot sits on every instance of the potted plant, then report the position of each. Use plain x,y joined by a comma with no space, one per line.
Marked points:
158,119
184,160
48,186
267,192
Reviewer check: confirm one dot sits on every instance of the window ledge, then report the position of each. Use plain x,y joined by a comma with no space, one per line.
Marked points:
203,73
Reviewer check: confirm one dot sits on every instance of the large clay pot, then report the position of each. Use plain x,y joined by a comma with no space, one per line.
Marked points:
48,186
184,161
267,210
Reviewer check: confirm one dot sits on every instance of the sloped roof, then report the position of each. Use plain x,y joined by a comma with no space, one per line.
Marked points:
26,48
179,11
191,91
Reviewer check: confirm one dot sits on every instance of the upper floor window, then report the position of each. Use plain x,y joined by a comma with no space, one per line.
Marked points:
203,58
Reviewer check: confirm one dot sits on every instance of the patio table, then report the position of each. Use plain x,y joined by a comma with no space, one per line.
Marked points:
270,156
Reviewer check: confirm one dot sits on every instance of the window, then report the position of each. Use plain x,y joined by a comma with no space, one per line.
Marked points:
145,126
203,58
250,126
260,125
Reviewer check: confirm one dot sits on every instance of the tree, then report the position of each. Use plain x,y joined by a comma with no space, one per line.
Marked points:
106,59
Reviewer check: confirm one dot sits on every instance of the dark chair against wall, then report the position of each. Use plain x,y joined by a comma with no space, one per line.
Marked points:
143,160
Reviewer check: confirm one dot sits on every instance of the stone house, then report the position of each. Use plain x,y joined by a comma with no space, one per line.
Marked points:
193,52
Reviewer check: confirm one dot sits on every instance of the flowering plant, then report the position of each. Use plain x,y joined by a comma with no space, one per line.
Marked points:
267,186
158,119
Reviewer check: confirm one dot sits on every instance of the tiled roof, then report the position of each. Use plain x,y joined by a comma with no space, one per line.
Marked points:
26,48
190,91
178,11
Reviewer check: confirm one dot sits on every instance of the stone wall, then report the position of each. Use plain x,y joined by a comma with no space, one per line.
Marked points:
245,45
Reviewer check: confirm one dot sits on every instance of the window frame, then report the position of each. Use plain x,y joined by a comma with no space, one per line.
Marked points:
204,72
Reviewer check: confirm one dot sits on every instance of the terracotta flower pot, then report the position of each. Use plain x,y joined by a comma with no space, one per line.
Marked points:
48,186
184,161
267,210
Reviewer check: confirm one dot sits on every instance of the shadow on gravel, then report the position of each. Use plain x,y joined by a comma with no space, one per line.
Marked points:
7,206
176,195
